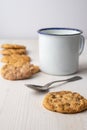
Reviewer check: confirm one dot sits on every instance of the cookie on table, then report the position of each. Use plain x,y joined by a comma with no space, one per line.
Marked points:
12,46
11,72
15,58
17,72
65,102
12,51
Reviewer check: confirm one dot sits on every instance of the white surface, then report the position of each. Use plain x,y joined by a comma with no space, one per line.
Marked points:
22,18
21,108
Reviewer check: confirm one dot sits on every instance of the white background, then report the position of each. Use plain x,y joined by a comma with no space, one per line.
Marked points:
22,18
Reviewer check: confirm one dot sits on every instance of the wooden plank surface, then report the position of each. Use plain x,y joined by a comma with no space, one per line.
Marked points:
21,108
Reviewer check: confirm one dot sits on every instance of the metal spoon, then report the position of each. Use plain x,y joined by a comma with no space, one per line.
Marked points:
47,86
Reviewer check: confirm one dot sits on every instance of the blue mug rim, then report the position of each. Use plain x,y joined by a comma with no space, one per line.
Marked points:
41,31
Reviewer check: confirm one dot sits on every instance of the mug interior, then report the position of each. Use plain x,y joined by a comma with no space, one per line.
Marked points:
60,31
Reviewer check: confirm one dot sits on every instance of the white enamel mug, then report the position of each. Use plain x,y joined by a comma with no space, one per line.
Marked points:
59,50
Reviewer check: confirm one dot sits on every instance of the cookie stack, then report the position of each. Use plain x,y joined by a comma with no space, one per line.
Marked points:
17,62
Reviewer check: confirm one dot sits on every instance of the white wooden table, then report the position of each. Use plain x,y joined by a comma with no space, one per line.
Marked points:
21,108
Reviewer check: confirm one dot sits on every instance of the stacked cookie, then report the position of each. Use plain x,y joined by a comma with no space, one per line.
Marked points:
17,62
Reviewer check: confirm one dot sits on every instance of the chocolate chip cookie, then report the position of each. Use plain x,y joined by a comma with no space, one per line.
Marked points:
65,102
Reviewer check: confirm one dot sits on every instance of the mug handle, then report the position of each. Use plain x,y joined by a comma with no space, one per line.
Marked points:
82,43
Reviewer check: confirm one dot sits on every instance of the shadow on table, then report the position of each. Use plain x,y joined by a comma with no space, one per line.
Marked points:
83,69
40,92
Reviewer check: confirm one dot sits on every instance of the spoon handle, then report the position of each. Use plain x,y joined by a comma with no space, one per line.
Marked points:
67,80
